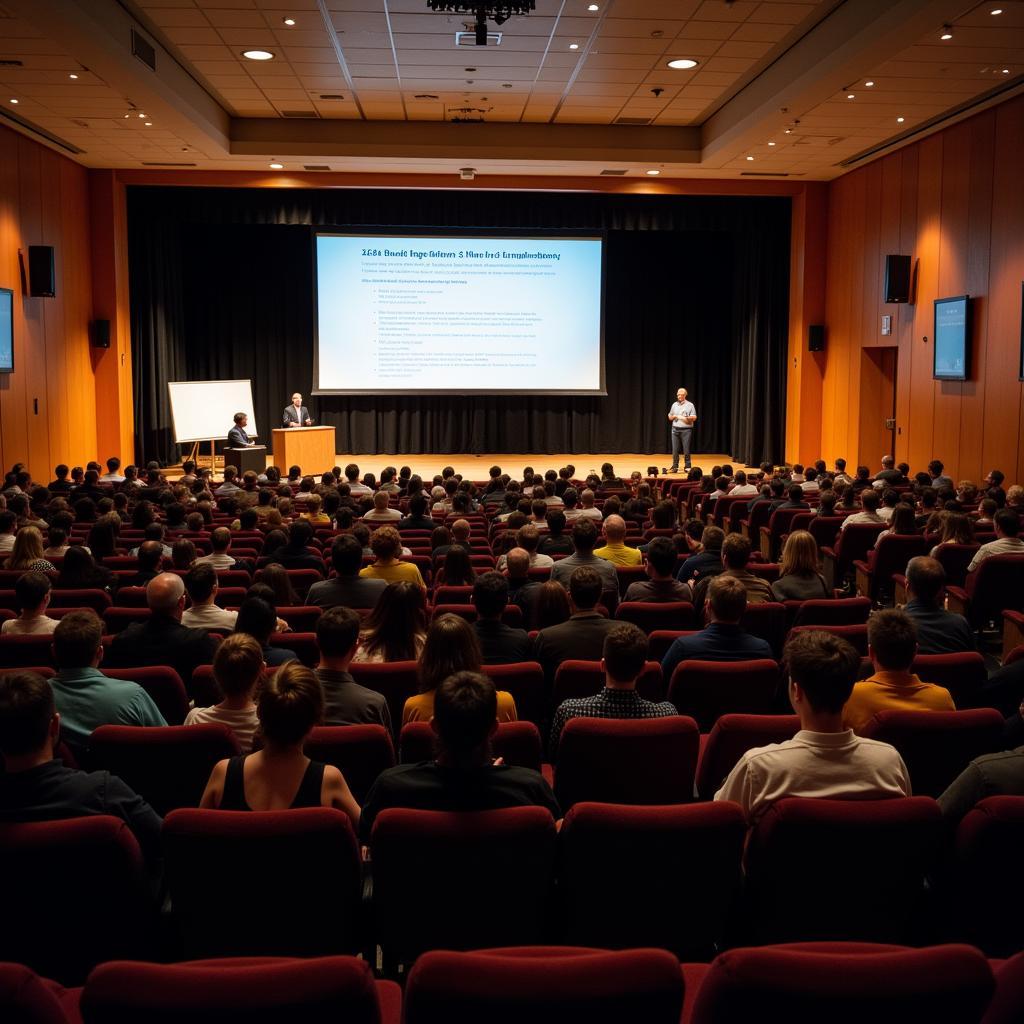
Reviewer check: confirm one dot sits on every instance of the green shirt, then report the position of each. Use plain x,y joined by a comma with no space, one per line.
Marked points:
1000,774
87,699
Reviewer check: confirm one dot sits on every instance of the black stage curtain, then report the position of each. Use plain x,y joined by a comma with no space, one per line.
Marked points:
696,296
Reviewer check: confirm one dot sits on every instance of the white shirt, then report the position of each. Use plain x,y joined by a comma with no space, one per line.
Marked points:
208,616
999,546
743,491
680,409
218,561
114,478
572,514
39,625
388,515
6,542
242,723
861,517
816,764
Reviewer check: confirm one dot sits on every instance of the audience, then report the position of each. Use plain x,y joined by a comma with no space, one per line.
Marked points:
892,646
27,553
463,775
708,559
280,776
800,576
203,612
238,668
584,539
1007,542
661,584
735,558
386,544
938,631
869,500
997,774
79,571
32,595
347,587
499,644
345,701
396,629
825,758
615,549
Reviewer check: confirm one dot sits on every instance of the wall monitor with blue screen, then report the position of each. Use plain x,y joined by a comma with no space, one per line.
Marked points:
6,330
952,338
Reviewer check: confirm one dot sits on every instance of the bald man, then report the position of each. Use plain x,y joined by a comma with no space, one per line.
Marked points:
162,639
682,416
615,549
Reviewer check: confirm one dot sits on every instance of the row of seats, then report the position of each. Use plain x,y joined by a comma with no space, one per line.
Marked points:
290,883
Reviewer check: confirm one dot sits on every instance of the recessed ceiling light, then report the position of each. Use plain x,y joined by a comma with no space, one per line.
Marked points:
72,76
750,158
851,96
275,166
14,101
900,120
148,124
142,117
997,10
574,46
593,7
258,54
868,84
947,34
682,63
788,131
1006,71
652,173
771,143
288,21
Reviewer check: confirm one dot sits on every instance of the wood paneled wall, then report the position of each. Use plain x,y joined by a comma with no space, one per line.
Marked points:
954,202
48,405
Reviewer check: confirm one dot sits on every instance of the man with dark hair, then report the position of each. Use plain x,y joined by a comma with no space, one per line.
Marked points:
345,701
297,553
723,639
584,539
939,478
220,541
824,759
203,613
892,645
1007,542
556,541
61,484
113,474
419,517
522,590
499,644
735,558
622,658
581,637
708,561
463,776
869,502
661,584
32,596
229,488
87,699
998,774
35,786
347,587
938,631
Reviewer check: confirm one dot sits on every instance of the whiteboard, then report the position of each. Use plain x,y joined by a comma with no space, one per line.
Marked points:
205,409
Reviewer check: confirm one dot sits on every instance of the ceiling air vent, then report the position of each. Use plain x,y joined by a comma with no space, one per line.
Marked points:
614,171
315,167
299,113
633,120
144,50
11,64
80,122
164,163
469,38
331,96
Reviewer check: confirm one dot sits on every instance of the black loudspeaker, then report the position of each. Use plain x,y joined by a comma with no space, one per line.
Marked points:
897,278
99,333
816,338
40,272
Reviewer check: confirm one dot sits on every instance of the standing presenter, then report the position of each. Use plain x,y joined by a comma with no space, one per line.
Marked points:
682,416
296,414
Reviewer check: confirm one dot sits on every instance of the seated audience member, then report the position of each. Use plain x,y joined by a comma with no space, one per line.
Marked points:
623,658
238,667
149,559
451,647
892,645
220,541
56,539
889,474
939,479
79,571
954,528
1007,542
346,587
800,577
584,539
706,561
27,553
230,487
522,589
457,570
743,488
380,512
32,595
661,584
556,541
297,552
345,701
86,698
810,483
722,639
396,629
938,631
276,577
258,618
418,518
386,544
735,558
551,607
152,531
586,508
499,644
528,538
824,759
36,786
463,776
183,554
890,499
582,635
869,501
162,639
60,484
280,776
998,774
203,612
442,538
615,549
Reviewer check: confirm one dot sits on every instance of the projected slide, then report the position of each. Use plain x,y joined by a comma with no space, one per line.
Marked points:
459,314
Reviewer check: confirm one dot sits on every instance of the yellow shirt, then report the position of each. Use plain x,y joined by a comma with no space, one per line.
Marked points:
421,707
619,554
893,691
396,572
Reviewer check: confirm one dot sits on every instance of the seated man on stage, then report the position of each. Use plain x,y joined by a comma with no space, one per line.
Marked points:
237,437
296,414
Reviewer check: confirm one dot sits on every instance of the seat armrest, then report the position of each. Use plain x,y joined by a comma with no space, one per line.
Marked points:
957,600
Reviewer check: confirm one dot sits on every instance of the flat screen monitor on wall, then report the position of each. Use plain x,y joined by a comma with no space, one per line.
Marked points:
952,338
6,330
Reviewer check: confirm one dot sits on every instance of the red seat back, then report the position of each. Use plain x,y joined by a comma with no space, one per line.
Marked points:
708,689
525,681
731,737
652,615
359,752
162,684
766,620
963,673
996,585
516,743
397,681
97,600
586,678
847,611
117,619
303,644
301,618
856,635
25,998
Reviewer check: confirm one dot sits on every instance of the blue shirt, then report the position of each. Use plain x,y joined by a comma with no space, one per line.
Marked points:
718,641
682,409
86,699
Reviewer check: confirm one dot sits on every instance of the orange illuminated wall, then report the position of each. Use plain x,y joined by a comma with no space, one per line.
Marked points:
954,202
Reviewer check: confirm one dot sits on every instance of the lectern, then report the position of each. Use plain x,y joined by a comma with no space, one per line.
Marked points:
312,448
244,459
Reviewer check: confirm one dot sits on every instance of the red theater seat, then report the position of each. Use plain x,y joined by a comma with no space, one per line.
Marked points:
586,678
25,998
731,737
709,689
517,743
397,681
652,615
359,752
162,684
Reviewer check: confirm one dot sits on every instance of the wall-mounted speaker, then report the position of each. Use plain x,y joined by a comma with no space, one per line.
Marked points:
40,272
99,333
816,338
897,278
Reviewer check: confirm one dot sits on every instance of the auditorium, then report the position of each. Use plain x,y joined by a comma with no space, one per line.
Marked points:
512,510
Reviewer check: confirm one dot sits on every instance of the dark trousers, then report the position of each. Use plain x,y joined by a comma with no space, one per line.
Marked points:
681,440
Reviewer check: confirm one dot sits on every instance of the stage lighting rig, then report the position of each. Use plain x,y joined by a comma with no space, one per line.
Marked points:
498,11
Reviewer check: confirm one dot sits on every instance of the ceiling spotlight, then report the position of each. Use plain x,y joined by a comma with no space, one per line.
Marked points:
72,76
998,10
652,173
289,21
1006,71
771,143
750,158
900,120
788,131
947,32
574,46
14,101
257,54
148,124
868,85
595,7
682,63
275,166
850,96
142,117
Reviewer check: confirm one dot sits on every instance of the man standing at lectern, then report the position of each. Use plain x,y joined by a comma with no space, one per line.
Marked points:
296,414
682,416
237,437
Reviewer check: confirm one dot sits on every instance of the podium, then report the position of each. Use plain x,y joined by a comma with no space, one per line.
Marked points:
244,459
312,448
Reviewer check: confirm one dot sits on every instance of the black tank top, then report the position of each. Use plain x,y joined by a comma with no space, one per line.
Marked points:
233,797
